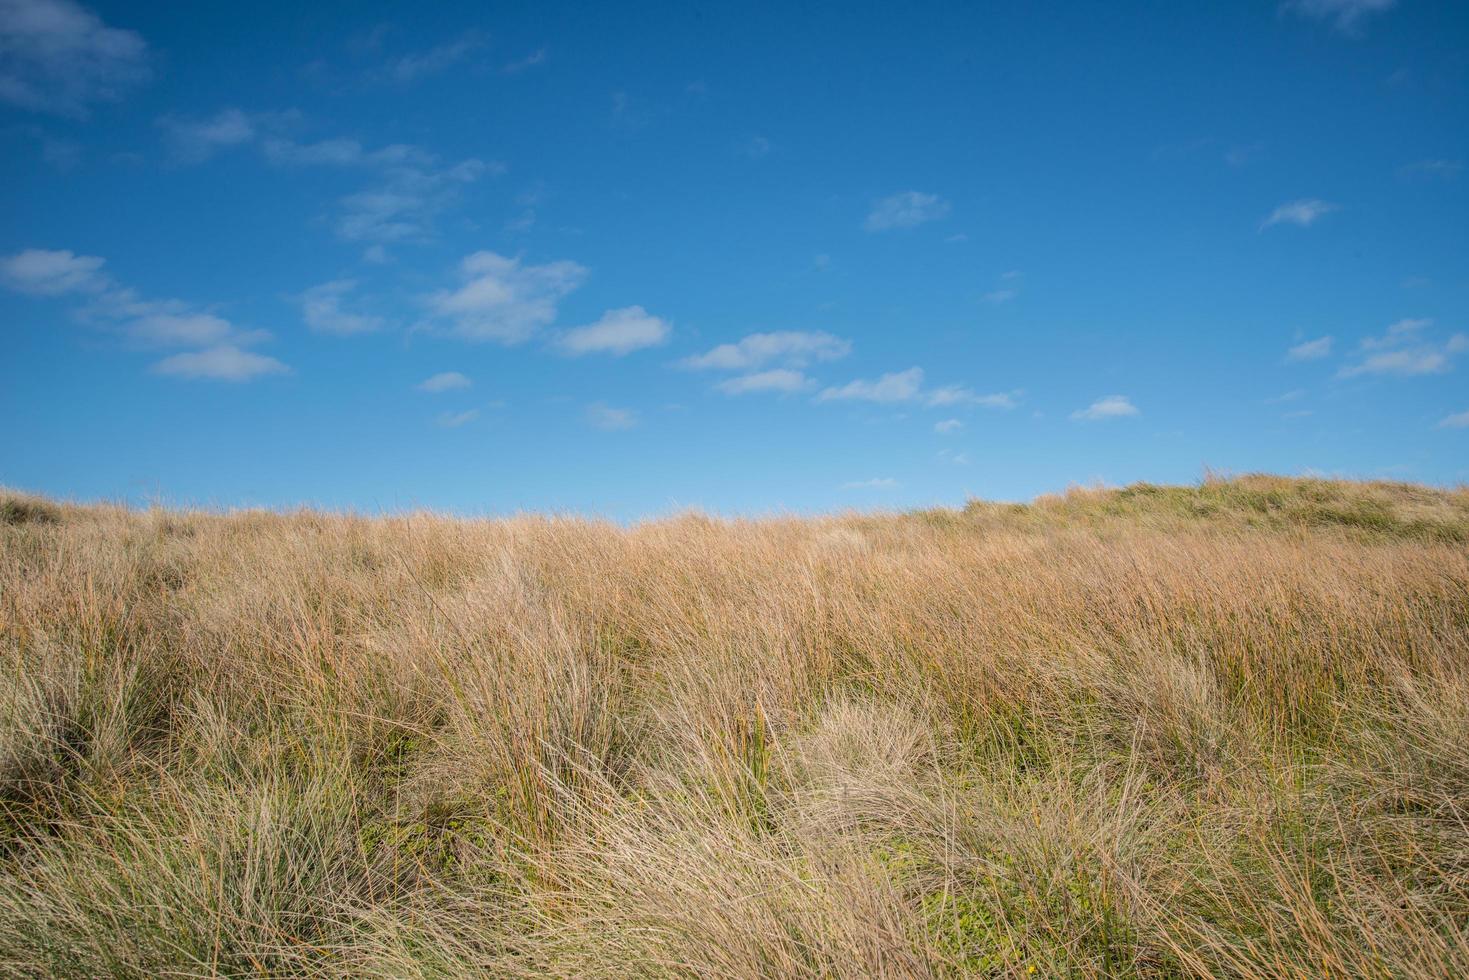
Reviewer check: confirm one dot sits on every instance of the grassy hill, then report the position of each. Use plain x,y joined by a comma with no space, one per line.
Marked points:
1217,730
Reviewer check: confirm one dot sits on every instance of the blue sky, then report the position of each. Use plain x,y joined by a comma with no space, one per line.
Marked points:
622,259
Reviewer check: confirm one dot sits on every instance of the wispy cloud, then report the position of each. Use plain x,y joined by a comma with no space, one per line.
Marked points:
948,426
223,363
1303,213
876,483
1403,350
618,332
899,386
142,322
789,348
503,299
321,307
196,140
46,272
59,57
906,210
998,296
418,64
453,420
1310,350
443,381
1344,15
783,380
1110,407
1432,168
1457,421
755,147
606,417
532,60
907,386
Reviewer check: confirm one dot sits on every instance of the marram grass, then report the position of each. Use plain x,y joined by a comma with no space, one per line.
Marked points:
1212,731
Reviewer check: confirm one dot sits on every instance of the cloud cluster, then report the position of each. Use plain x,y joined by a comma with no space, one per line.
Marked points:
143,322
772,362
503,299
59,57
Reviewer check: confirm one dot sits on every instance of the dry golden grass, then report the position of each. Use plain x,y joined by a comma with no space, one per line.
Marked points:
1162,731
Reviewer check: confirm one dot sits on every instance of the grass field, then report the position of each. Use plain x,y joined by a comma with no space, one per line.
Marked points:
1217,730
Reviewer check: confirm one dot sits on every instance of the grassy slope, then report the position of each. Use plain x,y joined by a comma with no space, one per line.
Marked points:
1158,731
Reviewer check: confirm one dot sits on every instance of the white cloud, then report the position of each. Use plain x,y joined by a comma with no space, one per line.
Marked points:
953,458
899,386
756,147
321,307
1402,350
43,272
618,332
947,426
453,420
195,329
503,299
1110,407
59,57
1345,15
906,210
1303,213
196,140
788,348
1458,421
1310,350
444,381
223,363
611,419
876,483
784,380
998,296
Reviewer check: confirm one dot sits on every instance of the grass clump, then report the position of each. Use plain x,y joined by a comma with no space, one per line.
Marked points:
1212,731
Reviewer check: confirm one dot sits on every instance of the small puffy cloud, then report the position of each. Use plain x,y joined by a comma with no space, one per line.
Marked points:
321,307
784,380
1110,407
1345,15
453,420
618,332
611,419
58,57
444,381
899,386
876,483
1310,350
789,348
1457,421
1404,351
947,426
1304,213
503,299
44,272
196,140
906,210
223,363
953,458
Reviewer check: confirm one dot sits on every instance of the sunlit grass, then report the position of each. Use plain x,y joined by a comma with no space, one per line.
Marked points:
1216,730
